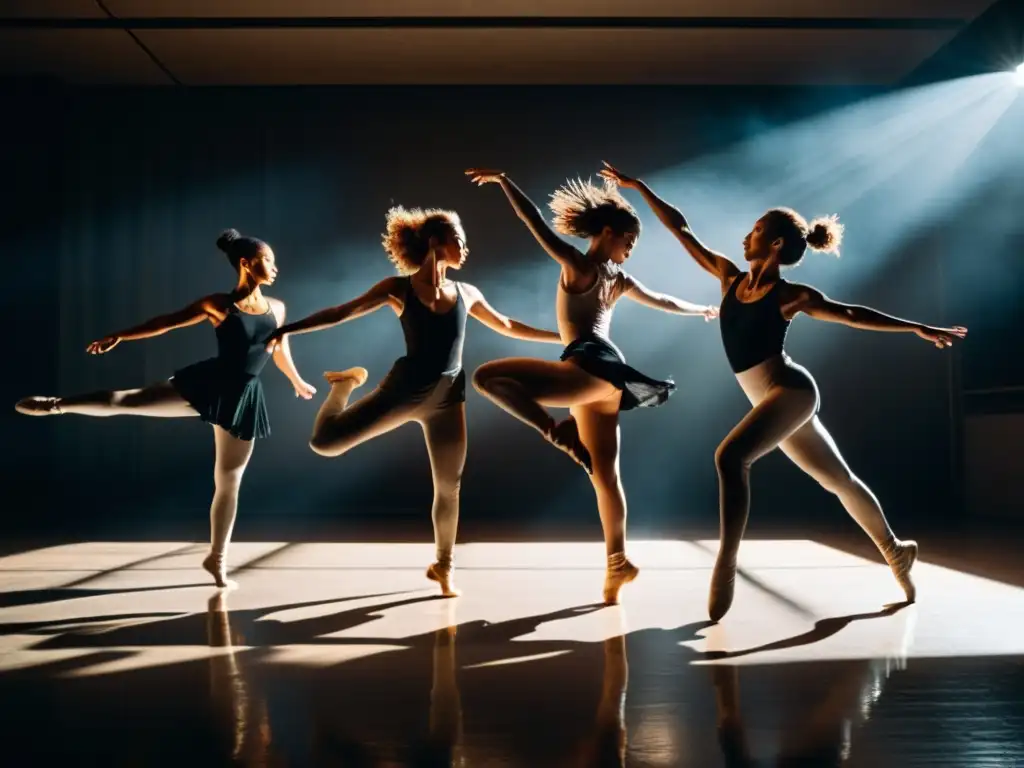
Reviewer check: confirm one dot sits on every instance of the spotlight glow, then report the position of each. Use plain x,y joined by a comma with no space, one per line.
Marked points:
1020,75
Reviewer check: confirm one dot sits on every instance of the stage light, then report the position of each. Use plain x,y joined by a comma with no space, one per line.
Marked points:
1020,75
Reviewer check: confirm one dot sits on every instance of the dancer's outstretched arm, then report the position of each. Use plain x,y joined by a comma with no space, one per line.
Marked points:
380,295
282,356
814,303
560,250
710,261
205,308
506,326
639,293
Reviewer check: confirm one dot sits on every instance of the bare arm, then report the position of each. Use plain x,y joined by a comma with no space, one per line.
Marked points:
499,323
560,250
639,293
814,303
710,261
194,313
282,356
375,298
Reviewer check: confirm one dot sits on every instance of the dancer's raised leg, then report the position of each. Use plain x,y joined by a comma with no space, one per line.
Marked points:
599,430
445,434
522,386
232,458
339,427
813,450
159,400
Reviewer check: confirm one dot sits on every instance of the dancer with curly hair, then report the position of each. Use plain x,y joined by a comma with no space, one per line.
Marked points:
757,309
428,384
592,378
224,391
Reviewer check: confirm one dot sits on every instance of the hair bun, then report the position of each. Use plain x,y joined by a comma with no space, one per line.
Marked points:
227,237
825,234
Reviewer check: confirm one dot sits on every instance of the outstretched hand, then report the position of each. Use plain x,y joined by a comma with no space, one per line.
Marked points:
941,337
304,389
710,313
614,175
481,176
104,345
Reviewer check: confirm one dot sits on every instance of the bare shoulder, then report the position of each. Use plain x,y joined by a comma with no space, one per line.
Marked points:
470,293
215,304
797,297
278,308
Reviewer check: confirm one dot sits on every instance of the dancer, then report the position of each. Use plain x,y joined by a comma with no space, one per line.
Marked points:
757,308
427,385
592,378
224,391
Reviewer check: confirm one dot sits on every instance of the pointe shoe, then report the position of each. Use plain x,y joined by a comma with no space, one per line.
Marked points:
442,574
901,559
358,374
38,406
723,586
214,565
566,437
616,578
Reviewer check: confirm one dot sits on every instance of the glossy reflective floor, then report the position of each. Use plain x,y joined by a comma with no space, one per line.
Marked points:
340,654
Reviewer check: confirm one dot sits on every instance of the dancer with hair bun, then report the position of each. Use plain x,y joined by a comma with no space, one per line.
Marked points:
592,378
757,308
224,391
427,385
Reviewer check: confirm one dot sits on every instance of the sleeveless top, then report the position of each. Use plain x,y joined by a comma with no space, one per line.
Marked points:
433,342
589,314
242,338
752,332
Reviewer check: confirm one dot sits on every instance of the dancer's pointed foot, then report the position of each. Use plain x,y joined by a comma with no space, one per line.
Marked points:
442,573
723,585
357,374
214,565
39,406
619,573
901,559
565,436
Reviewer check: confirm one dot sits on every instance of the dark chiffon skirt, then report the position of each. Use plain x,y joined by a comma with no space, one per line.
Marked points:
230,399
602,359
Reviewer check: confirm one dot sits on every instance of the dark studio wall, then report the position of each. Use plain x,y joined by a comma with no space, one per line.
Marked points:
116,198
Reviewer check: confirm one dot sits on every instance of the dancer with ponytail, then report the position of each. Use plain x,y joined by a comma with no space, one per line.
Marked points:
592,378
757,308
427,385
224,391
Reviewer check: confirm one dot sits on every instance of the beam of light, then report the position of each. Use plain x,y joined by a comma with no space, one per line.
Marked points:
1019,75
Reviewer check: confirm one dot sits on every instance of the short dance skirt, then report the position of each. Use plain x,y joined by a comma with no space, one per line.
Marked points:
602,359
230,399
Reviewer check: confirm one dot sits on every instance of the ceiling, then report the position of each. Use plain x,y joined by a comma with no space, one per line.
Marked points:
322,42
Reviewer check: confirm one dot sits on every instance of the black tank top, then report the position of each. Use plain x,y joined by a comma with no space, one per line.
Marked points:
433,342
752,332
242,339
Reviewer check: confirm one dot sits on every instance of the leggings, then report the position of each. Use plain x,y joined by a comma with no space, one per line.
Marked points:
785,400
438,407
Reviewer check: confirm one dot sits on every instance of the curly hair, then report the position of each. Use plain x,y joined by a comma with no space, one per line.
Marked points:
407,236
583,210
823,234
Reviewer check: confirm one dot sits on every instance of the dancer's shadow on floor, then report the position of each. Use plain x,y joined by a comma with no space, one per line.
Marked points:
822,630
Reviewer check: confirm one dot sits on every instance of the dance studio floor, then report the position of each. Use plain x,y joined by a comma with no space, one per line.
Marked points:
119,653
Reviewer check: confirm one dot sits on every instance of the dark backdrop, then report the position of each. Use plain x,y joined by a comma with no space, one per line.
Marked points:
115,198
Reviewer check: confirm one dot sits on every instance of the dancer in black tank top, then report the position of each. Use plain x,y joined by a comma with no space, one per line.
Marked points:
224,391
427,385
756,311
